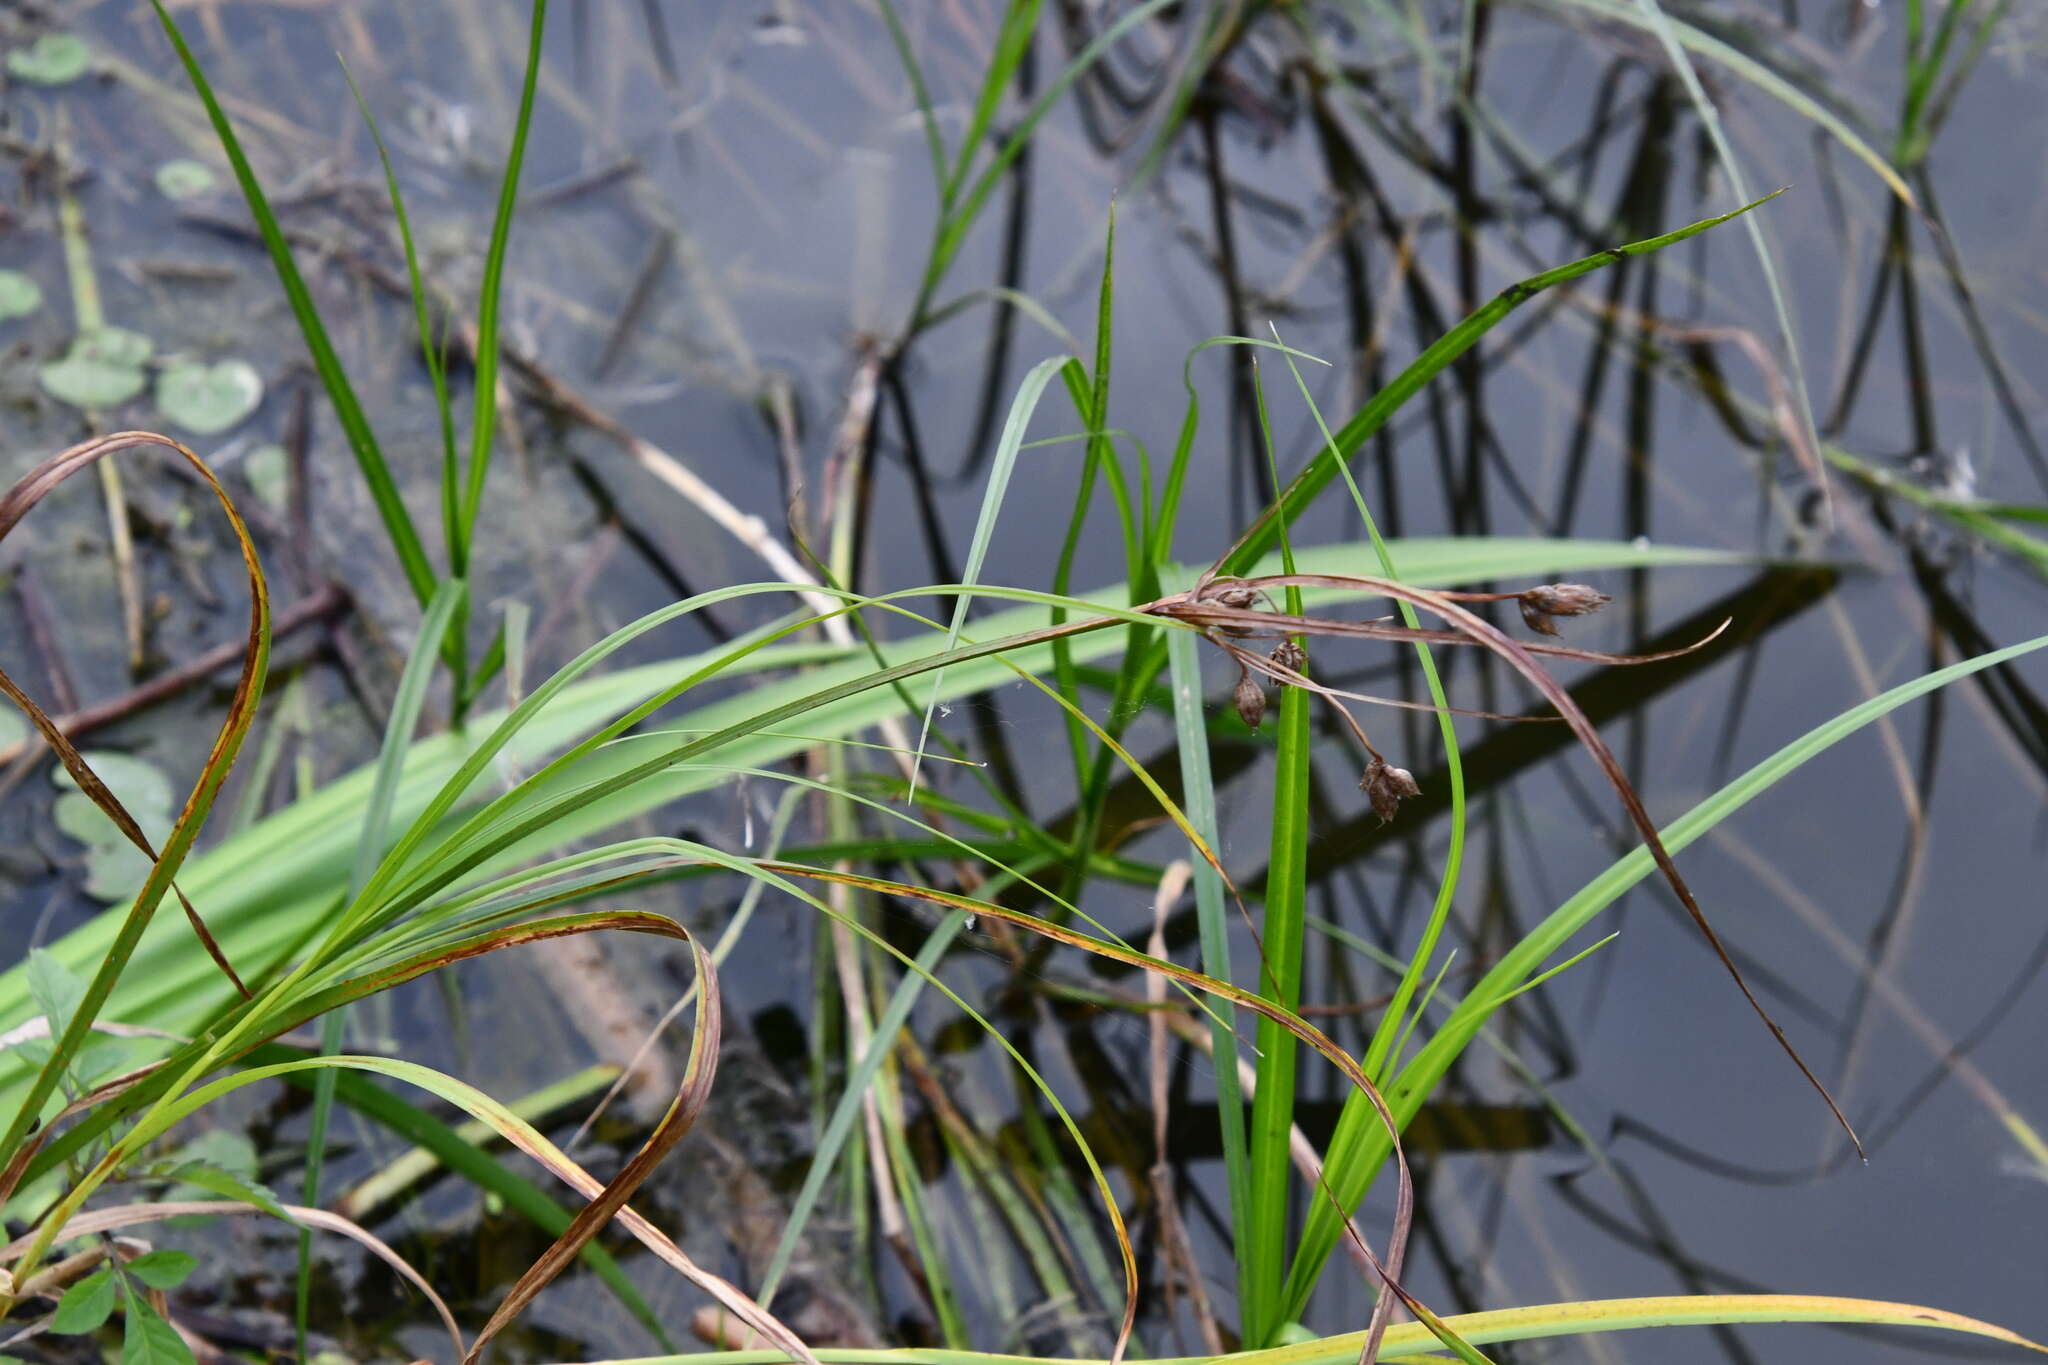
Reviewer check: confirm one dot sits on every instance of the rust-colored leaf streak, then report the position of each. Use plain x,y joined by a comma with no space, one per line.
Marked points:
1389,1270
609,1201
606,1201
30,490
10,1176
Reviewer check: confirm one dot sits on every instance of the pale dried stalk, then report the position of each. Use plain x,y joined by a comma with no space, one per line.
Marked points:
1173,1234
128,1215
853,993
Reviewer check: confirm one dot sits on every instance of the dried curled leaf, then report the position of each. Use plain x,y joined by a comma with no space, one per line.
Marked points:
16,503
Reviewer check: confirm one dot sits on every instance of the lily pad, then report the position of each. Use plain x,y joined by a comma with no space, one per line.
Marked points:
136,783
267,468
103,369
209,399
19,295
184,179
114,868
53,59
116,346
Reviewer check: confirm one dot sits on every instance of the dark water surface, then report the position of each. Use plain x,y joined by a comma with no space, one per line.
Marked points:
727,211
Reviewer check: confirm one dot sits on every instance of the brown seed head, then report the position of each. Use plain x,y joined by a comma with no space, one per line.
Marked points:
1535,619
1251,700
1233,595
1289,654
1540,605
1387,786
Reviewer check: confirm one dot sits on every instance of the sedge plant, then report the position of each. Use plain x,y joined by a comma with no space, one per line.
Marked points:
494,834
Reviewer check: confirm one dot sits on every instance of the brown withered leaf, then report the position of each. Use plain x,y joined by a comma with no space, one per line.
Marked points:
18,501
1388,1270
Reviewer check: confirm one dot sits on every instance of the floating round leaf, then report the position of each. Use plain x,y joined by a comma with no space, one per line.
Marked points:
267,468
52,59
19,295
184,179
137,783
103,369
209,399
114,868
86,383
116,346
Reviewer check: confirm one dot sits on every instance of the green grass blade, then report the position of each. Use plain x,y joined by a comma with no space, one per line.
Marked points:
1411,1340
431,350
1013,41
1262,1242
1781,307
955,224
1762,77
1414,1018
1358,1147
924,1239
1390,1027
1425,367
406,705
398,734
935,141
1094,412
1538,1321
1937,112
1000,469
996,294
1222,25
1533,982
1914,135
484,414
362,441
1198,797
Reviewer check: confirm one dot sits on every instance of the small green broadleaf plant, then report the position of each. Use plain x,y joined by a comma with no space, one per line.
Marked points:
148,1339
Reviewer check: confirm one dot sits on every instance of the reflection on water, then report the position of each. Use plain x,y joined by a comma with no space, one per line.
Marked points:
723,257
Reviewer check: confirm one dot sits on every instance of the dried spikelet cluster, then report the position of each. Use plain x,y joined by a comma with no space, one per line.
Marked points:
1233,611
1541,606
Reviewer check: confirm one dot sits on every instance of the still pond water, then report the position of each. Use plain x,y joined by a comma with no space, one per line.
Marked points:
727,210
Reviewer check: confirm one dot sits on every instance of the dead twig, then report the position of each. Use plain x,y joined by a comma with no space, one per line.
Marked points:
324,602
